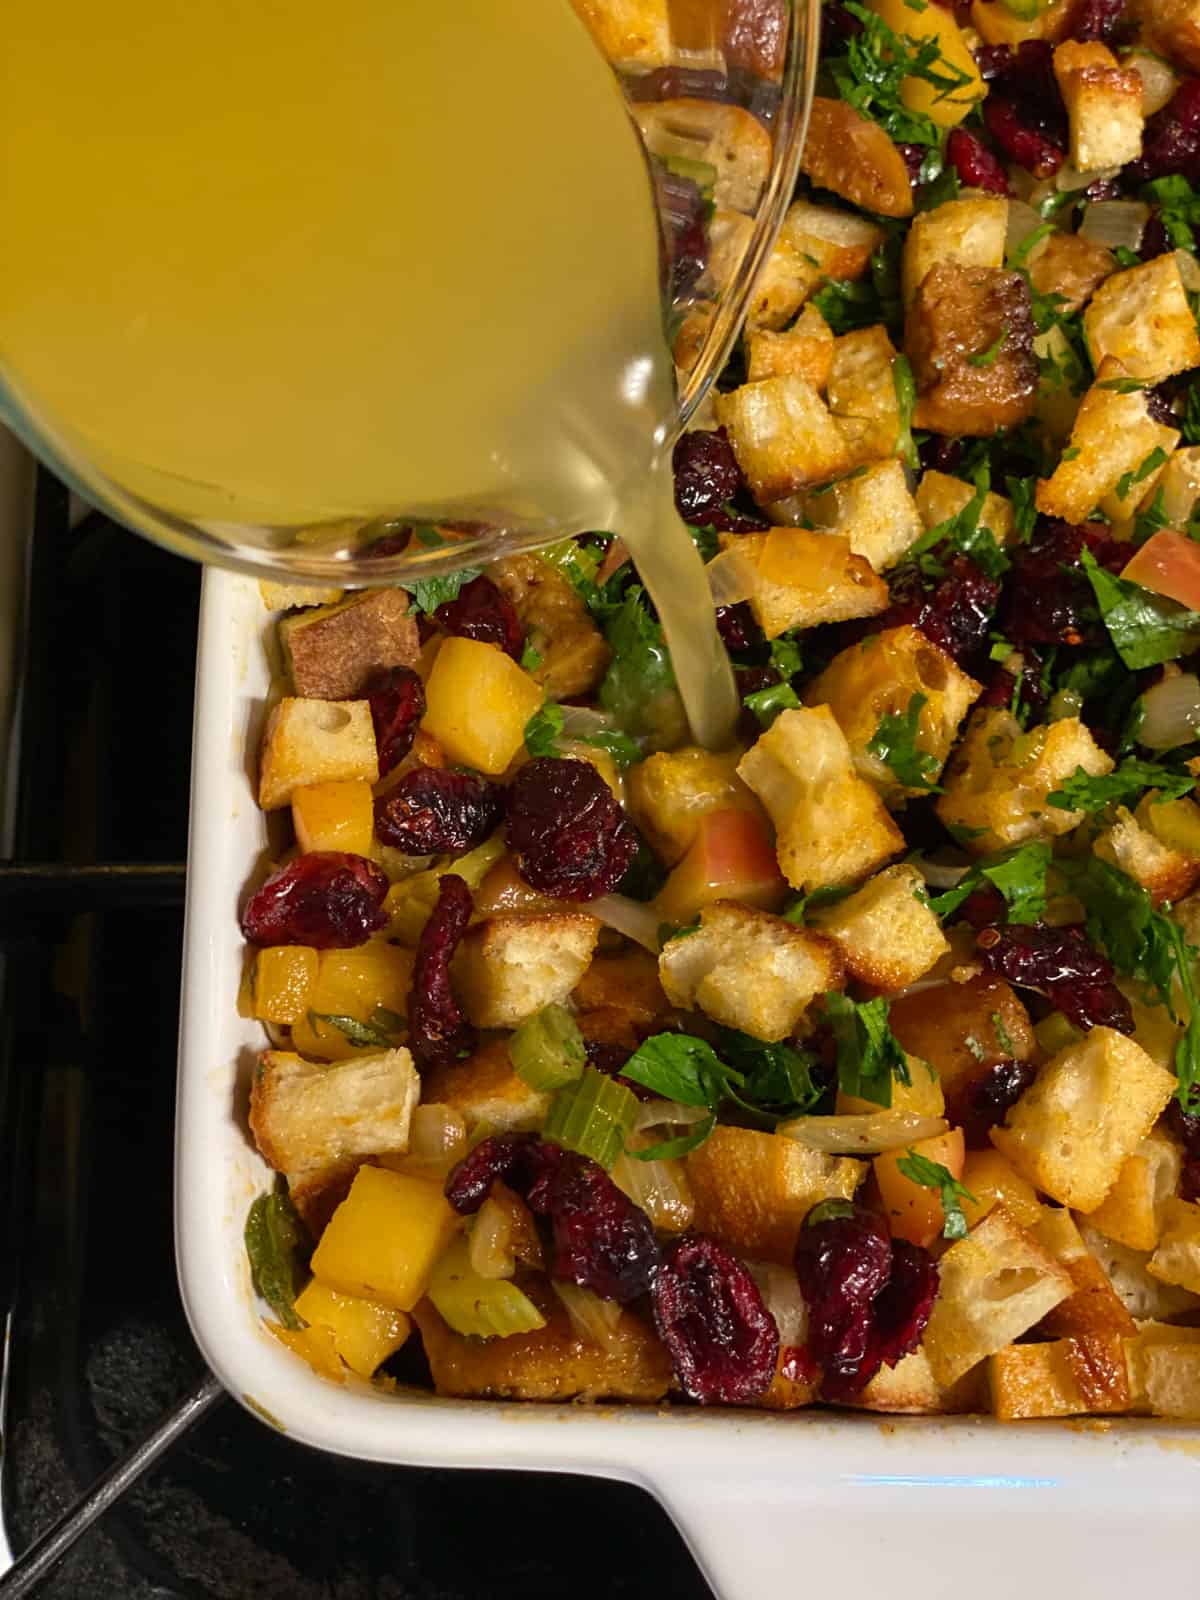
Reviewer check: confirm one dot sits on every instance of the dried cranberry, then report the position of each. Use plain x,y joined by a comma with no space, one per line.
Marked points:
571,838
482,611
396,697
328,899
838,27
750,680
438,1031
989,1097
737,627
993,60
977,166
1063,965
710,1315
1158,406
913,156
707,478
609,1059
433,809
1171,138
1024,111
955,614
941,453
902,1307
1020,142
602,1241
1048,599
843,1259
1102,189
1155,239
493,1160
1189,1180
1096,19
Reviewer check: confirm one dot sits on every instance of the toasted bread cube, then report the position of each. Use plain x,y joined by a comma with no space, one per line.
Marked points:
573,651
485,1088
940,498
831,826
1173,1342
783,435
552,1363
1141,318
871,506
970,232
861,388
910,1389
815,243
996,1284
672,790
332,651
806,347
803,578
850,155
306,1117
508,967
627,982
749,970
1104,105
969,336
1070,265
1172,1377
878,677
1176,1259
725,137
1094,1309
753,1190
998,780
1089,1108
1172,27
631,33
1043,1380
962,1030
1113,434
315,741
1142,1295
1134,1209
289,596
1164,873
887,934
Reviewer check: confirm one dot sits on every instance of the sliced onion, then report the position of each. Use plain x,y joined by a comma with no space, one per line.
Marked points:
592,1319
1068,178
782,1298
863,1134
584,722
731,578
667,1114
636,921
1115,224
1159,79
436,1132
1022,221
1189,270
490,1242
940,875
1172,712
659,1187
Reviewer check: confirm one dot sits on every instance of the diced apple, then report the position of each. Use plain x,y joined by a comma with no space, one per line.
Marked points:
383,1240
284,976
365,1332
334,816
914,1212
731,858
478,701
994,1181
1169,564
351,983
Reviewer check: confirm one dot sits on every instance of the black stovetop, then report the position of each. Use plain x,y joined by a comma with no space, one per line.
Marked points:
99,1346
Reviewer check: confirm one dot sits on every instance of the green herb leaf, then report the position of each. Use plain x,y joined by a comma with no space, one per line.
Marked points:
848,304
1144,627
894,742
1124,385
531,659
1081,792
1127,480
429,593
870,75
1020,877
1178,209
933,1175
1021,492
278,1252
905,386
1149,522
639,687
1003,1037
363,1035
543,730
962,533
987,358
868,1053
680,1067
778,1079
767,703
682,1145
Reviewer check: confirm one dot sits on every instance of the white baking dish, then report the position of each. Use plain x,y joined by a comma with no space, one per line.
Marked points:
772,1506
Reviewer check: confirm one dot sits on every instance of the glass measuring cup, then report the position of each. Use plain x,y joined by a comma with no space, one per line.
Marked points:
718,90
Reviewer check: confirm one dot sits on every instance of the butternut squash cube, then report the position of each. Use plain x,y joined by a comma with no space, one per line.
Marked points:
314,1345
334,816
671,791
947,107
383,1240
478,701
993,1182
365,1333
284,975
355,984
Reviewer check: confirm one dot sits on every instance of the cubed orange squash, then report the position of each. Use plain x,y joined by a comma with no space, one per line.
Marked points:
383,1240
732,857
365,1333
283,981
334,816
945,105
314,1345
351,983
993,1181
913,1211
921,1095
477,702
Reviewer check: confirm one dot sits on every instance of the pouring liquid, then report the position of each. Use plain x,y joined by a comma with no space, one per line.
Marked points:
286,263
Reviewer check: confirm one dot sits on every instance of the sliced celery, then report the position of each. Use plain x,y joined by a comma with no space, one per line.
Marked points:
592,1117
483,1308
547,1049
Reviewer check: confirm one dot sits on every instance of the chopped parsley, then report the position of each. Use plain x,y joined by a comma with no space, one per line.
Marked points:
987,358
933,1175
870,77
1020,876
543,731
906,402
1082,792
1178,209
1157,458
1144,627
427,594
868,1053
767,703
894,742
962,533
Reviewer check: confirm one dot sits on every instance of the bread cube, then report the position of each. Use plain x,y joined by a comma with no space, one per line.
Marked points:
1141,318
306,1117
672,790
970,232
803,578
998,780
831,826
315,741
962,1030
996,1284
485,1089
574,653
753,1190
725,137
1134,1209
287,596
861,387
749,970
783,435
1070,265
878,677
969,337
871,506
1089,1108
850,155
1142,1295
1093,1309
910,1389
1165,1357
553,1363
806,347
478,702
815,243
993,1182
631,33
508,967
886,932
627,982
1176,1259
332,651
1172,27
1164,873
940,498
1104,105
1068,1378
